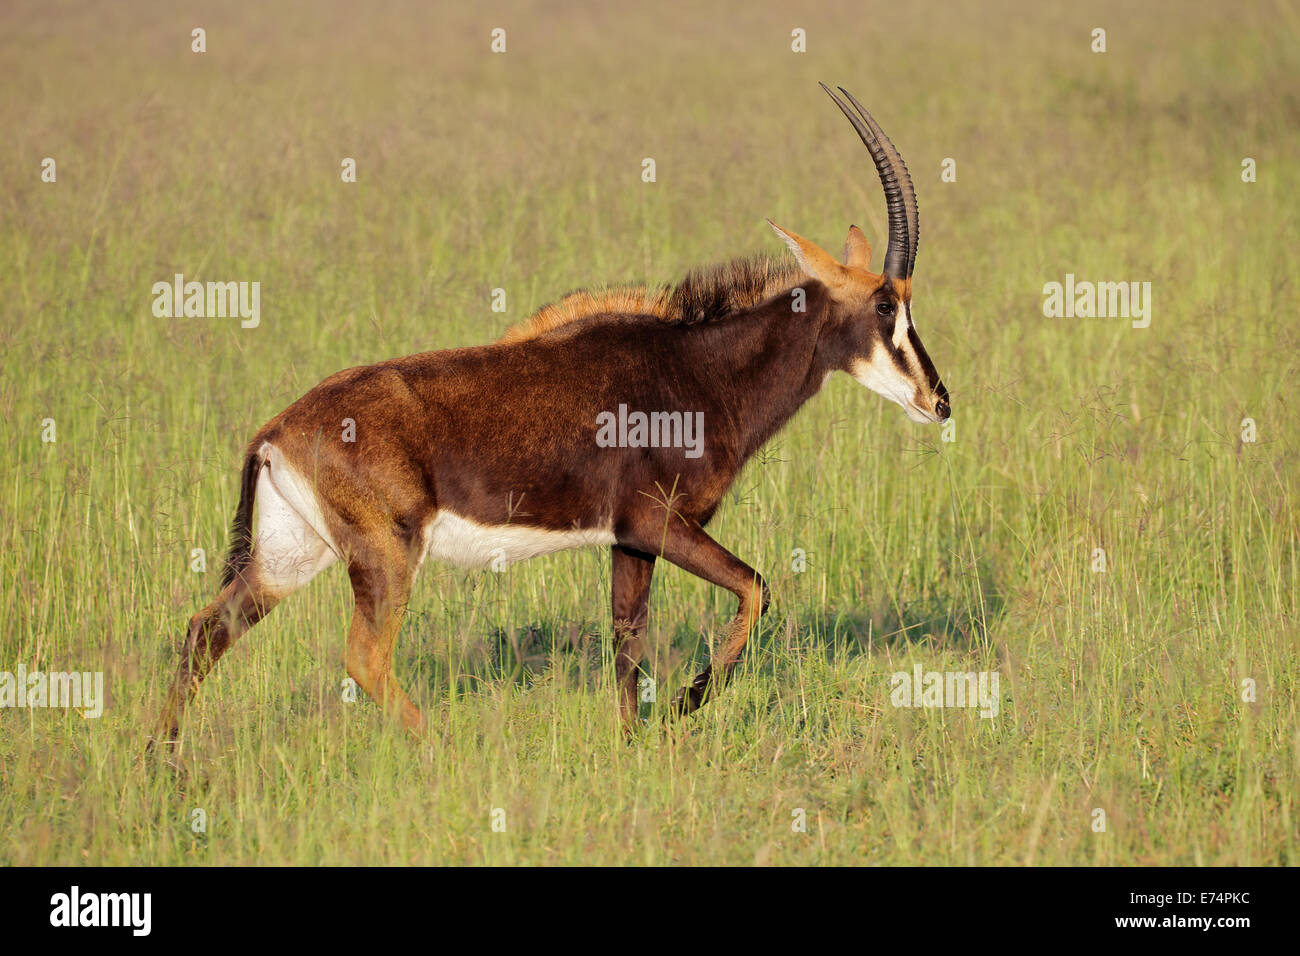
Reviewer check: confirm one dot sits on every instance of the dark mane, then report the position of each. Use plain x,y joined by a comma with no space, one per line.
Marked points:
716,292
704,295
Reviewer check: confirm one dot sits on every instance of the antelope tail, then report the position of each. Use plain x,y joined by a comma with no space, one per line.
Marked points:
241,526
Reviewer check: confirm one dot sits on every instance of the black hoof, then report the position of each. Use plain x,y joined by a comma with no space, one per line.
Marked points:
692,696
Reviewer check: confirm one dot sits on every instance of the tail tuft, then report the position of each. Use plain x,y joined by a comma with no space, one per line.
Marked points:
241,526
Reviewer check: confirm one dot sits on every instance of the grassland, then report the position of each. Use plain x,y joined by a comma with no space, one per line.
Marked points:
1121,690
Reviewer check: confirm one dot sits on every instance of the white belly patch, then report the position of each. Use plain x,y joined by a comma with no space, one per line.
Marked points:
468,544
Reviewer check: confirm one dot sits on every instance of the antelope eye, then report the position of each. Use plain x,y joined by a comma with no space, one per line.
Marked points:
885,308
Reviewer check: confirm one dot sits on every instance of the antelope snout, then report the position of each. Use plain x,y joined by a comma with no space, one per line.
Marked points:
942,408
933,409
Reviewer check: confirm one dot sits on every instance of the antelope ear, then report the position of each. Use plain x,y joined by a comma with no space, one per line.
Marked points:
813,259
857,251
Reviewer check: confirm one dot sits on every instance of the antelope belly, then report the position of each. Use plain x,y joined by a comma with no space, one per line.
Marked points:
468,544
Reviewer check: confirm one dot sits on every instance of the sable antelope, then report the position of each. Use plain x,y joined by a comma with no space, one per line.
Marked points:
470,454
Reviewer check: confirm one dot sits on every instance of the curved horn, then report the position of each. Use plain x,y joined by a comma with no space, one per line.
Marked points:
900,197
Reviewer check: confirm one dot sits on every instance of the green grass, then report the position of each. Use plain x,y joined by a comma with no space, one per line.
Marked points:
1120,690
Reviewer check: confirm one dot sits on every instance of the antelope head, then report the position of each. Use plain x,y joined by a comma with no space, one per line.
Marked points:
875,337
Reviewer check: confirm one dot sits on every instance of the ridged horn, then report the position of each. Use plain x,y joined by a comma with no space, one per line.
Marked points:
900,197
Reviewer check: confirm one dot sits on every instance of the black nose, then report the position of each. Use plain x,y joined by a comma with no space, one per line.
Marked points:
941,408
